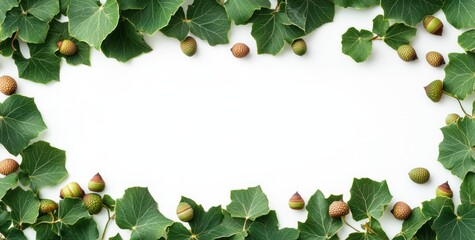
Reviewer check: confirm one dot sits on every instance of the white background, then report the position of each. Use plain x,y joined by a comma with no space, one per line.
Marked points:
205,125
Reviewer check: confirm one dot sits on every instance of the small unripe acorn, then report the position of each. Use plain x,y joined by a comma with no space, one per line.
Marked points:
435,59
188,46
240,50
93,203
433,25
338,209
296,202
184,212
8,166
444,190
434,90
452,118
67,47
299,46
72,190
419,175
47,205
8,85
96,184
401,211
407,53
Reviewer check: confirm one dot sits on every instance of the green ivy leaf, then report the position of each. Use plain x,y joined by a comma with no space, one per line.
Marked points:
59,31
154,16
357,3
433,207
240,11
43,164
467,189
6,48
132,4
271,30
64,6
116,237
399,34
425,233
85,15
357,44
456,149
33,26
460,74
20,122
46,231
319,225
5,6
460,13
373,231
7,183
236,227
308,15
16,234
368,198
71,210
409,11
456,227
465,40
177,27
412,225
261,231
24,205
84,229
249,204
380,25
124,43
108,202
138,211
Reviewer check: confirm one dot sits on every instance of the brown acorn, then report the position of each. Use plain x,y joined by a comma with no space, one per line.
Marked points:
435,59
240,50
401,211
433,25
338,209
296,202
67,47
72,190
8,166
8,85
444,190
96,184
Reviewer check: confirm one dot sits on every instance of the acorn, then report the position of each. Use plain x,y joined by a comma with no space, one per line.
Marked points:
296,202
188,46
433,25
338,209
93,203
401,211
434,90
67,47
8,166
452,118
184,212
47,206
240,50
72,190
444,190
435,59
419,175
407,53
299,47
8,85
96,184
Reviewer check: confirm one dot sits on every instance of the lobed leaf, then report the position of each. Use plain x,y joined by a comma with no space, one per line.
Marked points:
459,74
456,227
465,40
460,13
240,11
24,206
369,198
308,15
249,204
357,44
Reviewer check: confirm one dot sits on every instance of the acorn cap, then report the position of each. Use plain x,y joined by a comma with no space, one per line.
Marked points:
444,190
96,184
296,202
338,209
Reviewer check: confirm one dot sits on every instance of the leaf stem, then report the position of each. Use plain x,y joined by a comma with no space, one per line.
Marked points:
13,40
376,38
107,223
460,103
343,219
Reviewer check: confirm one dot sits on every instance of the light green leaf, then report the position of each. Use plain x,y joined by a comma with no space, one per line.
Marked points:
44,10
409,11
380,25
308,15
43,164
138,212
85,15
154,16
6,5
71,210
249,204
412,224
20,122
399,34
240,11
460,74
460,13
368,198
467,189
357,44
433,207
357,3
124,43
7,183
24,205
456,152
84,229
456,227
465,40
319,225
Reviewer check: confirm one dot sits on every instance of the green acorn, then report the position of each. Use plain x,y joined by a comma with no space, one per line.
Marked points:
433,25
444,190
401,211
407,53
434,90
184,212
419,175
67,47
93,203
452,118
338,209
435,59
299,46
8,166
47,206
96,184
72,190
296,202
188,46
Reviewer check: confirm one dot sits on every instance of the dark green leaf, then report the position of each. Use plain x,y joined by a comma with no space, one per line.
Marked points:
84,229
456,227
357,3
308,15
460,13
132,4
459,74
425,233
46,231
412,224
357,44
179,232
433,207
20,122
6,48
177,27
373,231
42,66
467,189
260,231
240,11
58,32
16,234
70,210
116,237
368,198
108,202
7,183
399,34
409,11
6,5
466,41
249,204
24,205
230,227
380,25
